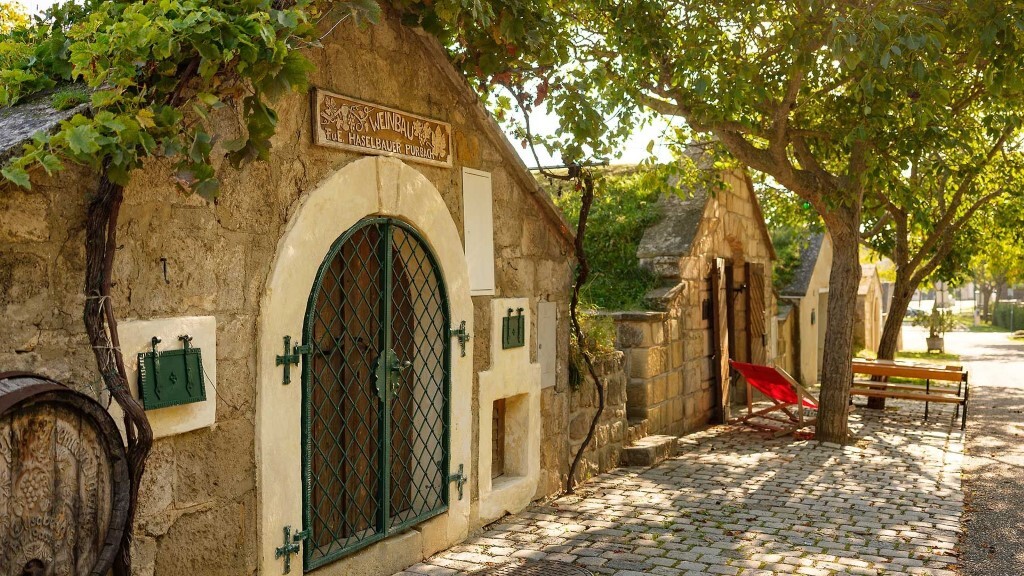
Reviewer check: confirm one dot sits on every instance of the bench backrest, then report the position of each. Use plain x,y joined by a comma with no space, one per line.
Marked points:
950,373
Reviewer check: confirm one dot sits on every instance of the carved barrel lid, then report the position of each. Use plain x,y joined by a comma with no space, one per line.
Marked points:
64,484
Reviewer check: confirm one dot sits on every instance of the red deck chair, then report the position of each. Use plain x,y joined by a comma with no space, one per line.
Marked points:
786,394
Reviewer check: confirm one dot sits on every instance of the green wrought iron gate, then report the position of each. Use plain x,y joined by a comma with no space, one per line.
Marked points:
376,391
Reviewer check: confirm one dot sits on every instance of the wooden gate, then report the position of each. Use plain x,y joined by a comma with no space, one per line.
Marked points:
757,331
63,480
720,340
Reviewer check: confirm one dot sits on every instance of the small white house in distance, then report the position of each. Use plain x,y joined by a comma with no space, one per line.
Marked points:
808,293
867,328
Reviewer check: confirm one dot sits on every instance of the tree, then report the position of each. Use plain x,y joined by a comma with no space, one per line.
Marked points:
830,100
926,219
998,261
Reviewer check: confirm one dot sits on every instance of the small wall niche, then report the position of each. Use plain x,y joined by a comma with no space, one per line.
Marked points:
509,420
498,438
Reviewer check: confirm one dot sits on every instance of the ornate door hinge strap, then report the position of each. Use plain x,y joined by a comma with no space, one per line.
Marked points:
292,545
459,478
462,334
291,356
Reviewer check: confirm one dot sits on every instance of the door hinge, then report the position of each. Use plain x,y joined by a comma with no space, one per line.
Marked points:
292,355
292,545
459,478
462,334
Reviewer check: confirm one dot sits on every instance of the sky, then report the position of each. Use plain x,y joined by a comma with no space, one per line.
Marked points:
36,6
634,150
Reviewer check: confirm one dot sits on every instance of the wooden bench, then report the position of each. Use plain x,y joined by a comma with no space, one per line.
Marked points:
952,387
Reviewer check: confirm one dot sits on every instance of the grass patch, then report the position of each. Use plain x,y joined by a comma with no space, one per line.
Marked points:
67,98
919,355
985,328
910,355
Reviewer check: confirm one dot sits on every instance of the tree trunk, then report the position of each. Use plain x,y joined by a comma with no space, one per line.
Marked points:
902,295
101,327
837,368
986,301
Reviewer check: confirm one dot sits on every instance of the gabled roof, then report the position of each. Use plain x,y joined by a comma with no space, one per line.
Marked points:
675,231
868,276
20,122
517,168
759,216
808,259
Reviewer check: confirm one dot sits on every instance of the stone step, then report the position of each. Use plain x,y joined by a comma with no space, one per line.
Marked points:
638,428
649,451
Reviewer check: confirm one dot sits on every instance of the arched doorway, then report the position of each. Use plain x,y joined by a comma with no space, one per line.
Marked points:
376,391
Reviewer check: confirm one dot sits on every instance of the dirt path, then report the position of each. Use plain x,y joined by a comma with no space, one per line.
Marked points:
993,539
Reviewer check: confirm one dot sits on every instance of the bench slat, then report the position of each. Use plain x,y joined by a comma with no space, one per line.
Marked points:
950,399
906,371
903,386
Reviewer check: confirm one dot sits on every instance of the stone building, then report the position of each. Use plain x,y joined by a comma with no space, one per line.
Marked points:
713,257
808,293
280,285
867,326
785,353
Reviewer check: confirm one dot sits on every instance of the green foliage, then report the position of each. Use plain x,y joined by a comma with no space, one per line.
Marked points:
157,71
598,340
788,243
997,257
792,222
623,208
938,322
1008,316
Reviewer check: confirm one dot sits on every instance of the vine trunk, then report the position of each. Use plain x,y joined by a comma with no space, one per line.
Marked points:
583,271
101,328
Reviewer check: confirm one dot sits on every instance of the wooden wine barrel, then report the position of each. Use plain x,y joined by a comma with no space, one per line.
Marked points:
64,484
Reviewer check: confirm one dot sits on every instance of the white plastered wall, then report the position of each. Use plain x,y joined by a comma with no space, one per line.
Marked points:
365,187
808,353
511,376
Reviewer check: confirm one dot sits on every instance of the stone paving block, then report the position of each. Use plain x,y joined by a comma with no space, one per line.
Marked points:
734,501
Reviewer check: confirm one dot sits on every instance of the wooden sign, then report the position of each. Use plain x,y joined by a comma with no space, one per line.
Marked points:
350,124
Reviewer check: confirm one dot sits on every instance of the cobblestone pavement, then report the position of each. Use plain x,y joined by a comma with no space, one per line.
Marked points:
736,502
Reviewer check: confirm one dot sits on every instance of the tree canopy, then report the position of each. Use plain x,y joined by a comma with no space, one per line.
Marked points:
835,101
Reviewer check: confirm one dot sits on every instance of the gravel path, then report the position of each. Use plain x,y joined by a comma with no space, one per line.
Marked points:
993,537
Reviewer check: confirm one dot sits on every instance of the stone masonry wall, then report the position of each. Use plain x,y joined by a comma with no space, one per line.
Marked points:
198,506
609,437
669,353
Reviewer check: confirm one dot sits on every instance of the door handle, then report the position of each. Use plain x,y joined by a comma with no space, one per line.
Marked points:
397,367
